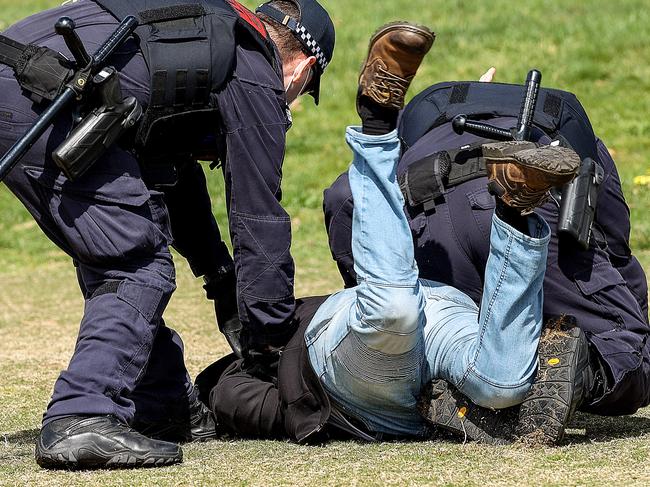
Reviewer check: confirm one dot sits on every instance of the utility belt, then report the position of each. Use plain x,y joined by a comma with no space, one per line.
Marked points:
428,179
102,115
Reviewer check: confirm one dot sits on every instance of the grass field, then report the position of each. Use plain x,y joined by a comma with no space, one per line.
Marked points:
596,48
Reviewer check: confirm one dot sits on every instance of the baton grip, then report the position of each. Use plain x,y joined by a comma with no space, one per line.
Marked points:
461,124
65,28
124,30
527,112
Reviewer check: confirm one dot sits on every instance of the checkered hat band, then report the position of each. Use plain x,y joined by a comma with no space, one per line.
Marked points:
311,45
300,31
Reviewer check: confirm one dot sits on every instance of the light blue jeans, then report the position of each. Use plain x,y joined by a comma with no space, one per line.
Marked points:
376,345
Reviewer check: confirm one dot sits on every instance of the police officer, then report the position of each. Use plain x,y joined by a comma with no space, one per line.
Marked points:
603,287
214,80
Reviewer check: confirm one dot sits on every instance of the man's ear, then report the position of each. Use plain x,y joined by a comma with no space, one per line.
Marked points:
301,78
306,65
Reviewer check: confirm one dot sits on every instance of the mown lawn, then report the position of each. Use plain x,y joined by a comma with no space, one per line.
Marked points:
595,48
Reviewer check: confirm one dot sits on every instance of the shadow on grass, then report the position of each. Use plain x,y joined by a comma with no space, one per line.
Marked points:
21,438
17,447
604,428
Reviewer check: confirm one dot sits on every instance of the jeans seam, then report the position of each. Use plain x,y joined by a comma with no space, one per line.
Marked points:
387,332
390,357
362,213
488,312
388,285
333,348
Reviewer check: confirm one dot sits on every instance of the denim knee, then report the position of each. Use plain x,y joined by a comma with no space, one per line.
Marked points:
395,310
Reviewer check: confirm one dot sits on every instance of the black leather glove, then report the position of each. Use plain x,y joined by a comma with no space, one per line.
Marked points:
221,287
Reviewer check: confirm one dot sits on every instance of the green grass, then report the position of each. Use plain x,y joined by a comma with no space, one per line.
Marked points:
594,48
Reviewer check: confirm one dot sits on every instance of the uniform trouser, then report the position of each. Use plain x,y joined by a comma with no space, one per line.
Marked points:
604,287
117,233
376,345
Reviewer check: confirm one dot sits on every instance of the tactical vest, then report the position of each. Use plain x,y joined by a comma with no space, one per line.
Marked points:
559,113
189,47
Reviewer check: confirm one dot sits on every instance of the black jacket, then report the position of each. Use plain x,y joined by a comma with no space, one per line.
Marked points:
248,400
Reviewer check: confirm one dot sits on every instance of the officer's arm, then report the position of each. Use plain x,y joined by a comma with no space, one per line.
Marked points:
255,123
194,228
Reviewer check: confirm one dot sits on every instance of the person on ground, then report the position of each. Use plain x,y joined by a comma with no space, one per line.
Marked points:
362,358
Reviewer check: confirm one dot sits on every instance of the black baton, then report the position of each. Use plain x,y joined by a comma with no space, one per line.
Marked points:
20,148
462,124
525,122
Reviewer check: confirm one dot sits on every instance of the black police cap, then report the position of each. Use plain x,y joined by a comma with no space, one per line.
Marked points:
315,31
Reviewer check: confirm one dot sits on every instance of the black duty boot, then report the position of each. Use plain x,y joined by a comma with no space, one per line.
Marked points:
443,406
81,442
195,424
564,379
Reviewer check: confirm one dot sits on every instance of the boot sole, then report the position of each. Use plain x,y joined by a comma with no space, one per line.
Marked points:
549,159
93,457
549,405
450,410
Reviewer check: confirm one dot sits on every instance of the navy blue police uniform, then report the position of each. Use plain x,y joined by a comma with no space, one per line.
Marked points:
118,221
604,287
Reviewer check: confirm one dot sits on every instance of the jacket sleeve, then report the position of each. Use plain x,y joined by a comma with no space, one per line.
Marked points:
255,123
246,405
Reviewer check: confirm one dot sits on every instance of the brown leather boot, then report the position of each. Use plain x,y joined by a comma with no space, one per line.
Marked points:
522,174
395,53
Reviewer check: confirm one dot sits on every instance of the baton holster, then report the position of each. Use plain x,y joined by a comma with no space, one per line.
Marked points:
100,129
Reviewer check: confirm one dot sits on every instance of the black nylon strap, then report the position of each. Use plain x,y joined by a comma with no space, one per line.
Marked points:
181,88
202,90
467,164
459,94
552,105
425,180
11,52
158,86
109,287
428,179
174,12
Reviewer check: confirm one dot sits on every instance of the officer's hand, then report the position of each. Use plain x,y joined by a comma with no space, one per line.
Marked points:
222,289
229,324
